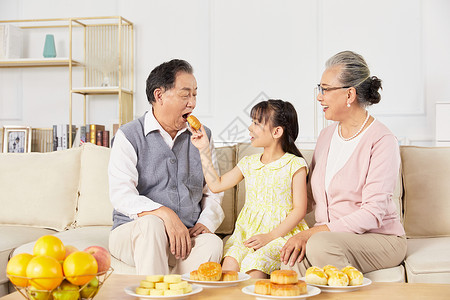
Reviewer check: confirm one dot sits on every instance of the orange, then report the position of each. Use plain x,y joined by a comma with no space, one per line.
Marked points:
50,245
17,266
44,272
80,267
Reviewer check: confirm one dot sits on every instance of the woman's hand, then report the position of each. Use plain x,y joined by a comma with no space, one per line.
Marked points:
199,138
258,241
294,249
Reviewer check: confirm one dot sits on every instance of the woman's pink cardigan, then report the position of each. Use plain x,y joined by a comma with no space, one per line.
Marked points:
359,196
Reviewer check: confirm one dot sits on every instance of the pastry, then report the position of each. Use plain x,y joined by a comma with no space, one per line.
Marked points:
210,271
229,276
155,278
194,122
338,278
329,269
154,292
161,286
193,275
284,276
142,291
355,277
285,290
178,286
302,286
174,278
263,287
147,284
348,268
315,275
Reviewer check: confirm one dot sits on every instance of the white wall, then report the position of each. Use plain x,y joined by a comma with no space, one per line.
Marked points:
244,51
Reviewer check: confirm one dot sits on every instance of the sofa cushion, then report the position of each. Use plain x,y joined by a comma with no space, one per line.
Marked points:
428,261
426,173
94,206
39,189
395,274
226,158
12,237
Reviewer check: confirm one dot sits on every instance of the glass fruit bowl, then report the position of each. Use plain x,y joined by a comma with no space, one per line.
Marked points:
65,290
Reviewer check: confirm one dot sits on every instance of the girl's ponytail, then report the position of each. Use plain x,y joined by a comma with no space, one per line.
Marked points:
288,116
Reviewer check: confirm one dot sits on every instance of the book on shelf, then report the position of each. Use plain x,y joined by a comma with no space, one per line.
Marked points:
105,136
102,138
82,134
99,138
93,128
55,137
62,136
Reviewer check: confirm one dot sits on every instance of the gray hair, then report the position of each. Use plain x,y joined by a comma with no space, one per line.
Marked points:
355,73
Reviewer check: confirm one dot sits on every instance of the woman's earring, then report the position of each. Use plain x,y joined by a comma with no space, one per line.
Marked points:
348,104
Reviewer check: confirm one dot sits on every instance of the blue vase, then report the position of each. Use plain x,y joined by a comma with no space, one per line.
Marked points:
49,47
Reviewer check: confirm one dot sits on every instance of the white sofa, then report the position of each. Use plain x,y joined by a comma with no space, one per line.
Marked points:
66,193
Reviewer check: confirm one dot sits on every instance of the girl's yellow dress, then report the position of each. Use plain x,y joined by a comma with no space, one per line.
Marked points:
268,200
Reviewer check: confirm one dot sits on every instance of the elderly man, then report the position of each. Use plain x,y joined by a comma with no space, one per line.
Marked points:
164,213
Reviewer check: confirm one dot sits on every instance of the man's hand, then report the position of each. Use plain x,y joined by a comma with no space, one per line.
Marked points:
198,229
294,249
179,239
258,241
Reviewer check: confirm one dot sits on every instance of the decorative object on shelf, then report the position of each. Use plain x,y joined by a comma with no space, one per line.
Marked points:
11,41
42,140
16,139
49,46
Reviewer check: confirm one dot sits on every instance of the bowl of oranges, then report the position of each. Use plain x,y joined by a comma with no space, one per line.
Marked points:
58,272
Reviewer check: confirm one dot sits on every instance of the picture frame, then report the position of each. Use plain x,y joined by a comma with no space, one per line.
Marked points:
16,139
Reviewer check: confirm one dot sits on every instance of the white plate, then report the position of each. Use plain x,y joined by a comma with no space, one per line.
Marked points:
131,290
340,289
216,284
250,290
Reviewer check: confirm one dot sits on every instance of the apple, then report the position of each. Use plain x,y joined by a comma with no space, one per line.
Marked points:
90,290
70,249
36,294
102,257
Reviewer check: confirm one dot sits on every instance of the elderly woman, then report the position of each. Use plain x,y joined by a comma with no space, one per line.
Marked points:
353,175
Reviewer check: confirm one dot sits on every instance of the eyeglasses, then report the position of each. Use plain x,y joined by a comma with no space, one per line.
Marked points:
322,90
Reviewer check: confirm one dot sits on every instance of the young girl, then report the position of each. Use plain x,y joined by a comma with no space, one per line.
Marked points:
275,183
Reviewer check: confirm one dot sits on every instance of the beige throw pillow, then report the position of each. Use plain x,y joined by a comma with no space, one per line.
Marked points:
39,189
94,206
426,180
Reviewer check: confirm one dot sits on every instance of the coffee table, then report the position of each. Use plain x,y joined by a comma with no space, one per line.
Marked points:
113,289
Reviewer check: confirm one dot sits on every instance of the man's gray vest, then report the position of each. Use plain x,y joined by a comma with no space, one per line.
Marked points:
171,177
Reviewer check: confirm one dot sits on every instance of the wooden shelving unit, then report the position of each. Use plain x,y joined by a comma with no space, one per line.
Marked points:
107,62
33,63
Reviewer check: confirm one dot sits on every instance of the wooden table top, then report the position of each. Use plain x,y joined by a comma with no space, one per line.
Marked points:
114,286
